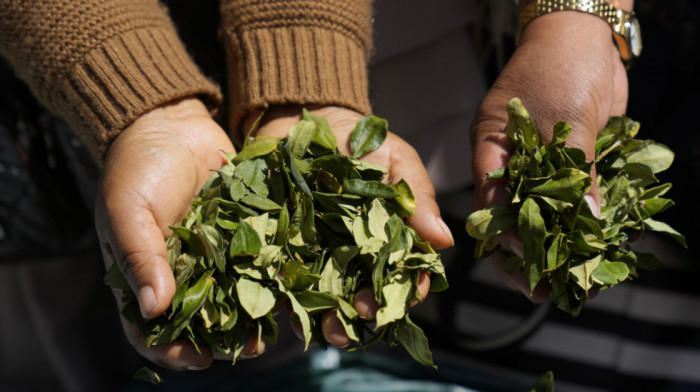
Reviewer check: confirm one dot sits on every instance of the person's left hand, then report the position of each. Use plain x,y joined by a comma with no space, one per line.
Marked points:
402,162
566,68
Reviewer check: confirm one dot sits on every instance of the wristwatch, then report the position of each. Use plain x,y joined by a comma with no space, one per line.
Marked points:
625,27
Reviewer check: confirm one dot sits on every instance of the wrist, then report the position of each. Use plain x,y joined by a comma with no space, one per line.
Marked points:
566,29
176,109
283,117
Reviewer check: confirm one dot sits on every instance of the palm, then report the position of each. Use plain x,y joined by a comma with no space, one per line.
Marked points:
152,171
559,77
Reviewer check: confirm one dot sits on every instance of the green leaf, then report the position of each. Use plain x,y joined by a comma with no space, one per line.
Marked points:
253,175
656,191
532,230
300,136
651,207
640,173
560,133
261,203
566,184
545,383
245,241
661,227
331,279
194,298
556,253
363,188
324,137
496,174
256,299
654,155
296,175
282,225
611,272
349,327
557,205
316,301
405,197
519,126
260,146
213,245
115,279
146,374
368,135
299,312
414,341
346,309
490,221
377,217
394,299
582,273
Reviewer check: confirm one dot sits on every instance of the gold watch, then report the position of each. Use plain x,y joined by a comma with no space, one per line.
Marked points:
625,27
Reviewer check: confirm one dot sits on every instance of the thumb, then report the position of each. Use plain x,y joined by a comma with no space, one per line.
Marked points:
406,164
592,198
130,237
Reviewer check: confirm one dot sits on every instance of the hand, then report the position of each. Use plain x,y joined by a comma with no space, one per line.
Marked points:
566,68
152,172
402,161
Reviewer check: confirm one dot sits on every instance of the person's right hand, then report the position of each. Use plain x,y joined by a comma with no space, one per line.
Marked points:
566,68
402,162
152,171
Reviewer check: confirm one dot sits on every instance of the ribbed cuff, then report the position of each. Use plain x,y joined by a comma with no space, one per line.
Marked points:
291,60
124,77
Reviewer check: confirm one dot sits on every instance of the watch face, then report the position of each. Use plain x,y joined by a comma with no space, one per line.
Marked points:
635,37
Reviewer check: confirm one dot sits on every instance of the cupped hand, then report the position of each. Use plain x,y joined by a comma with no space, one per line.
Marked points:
152,171
402,162
566,68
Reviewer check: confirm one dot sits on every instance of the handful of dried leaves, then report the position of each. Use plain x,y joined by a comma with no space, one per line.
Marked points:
294,219
564,244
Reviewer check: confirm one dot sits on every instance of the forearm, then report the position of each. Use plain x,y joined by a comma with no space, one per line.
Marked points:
310,52
99,64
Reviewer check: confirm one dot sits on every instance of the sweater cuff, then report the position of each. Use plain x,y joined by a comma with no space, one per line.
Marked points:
295,63
124,77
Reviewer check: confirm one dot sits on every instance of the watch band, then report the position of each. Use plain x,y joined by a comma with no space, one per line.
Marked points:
602,9
625,27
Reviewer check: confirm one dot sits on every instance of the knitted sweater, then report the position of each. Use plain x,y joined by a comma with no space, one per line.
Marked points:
101,64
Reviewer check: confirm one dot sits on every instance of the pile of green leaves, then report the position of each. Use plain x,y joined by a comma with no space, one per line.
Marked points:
294,220
564,244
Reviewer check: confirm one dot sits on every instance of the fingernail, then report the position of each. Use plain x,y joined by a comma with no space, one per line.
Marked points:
147,300
193,367
595,208
445,229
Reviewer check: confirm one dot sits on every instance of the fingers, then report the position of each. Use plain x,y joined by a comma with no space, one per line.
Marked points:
133,241
366,306
333,330
491,149
423,287
404,163
182,355
178,355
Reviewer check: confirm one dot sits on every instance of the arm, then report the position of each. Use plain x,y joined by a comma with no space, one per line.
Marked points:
117,72
565,68
282,58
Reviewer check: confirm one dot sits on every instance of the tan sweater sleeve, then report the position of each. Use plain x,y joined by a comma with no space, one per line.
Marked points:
99,64
296,52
